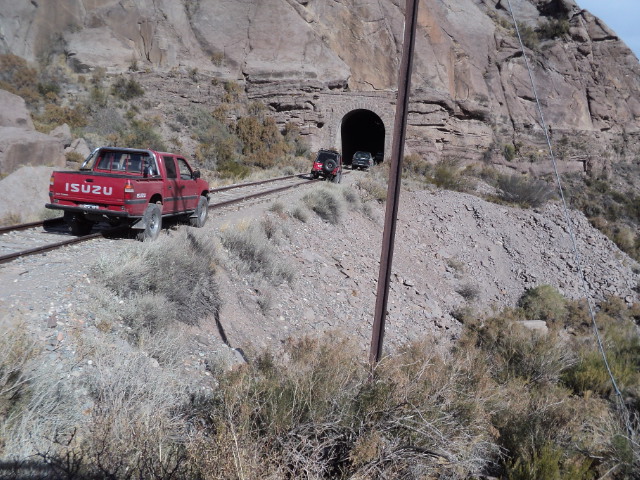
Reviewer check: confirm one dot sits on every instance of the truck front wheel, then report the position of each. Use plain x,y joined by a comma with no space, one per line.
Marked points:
200,215
152,222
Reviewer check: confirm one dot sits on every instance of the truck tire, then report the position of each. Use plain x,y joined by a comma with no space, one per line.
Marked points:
153,222
201,212
77,224
329,166
337,178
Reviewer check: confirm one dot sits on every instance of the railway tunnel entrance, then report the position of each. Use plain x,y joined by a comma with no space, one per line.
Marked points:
362,131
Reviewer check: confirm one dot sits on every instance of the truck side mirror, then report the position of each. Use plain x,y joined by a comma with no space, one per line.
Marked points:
196,174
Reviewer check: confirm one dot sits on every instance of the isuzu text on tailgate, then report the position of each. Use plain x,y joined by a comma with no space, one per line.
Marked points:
129,186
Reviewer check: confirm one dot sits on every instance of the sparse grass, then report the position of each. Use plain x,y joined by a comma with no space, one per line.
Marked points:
12,218
16,352
456,265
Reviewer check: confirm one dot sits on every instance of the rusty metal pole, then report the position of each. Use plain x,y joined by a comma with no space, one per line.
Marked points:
393,191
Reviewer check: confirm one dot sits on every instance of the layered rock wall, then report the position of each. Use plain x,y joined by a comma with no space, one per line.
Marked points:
471,89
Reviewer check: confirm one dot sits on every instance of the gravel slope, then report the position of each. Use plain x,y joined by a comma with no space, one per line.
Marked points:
445,241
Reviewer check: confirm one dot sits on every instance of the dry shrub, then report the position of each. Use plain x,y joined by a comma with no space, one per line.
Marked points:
314,412
117,416
373,185
469,291
524,191
327,202
300,213
249,244
546,430
447,174
16,352
517,352
171,279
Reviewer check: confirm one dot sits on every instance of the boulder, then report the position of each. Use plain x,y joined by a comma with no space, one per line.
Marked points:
13,111
19,147
79,145
24,193
62,133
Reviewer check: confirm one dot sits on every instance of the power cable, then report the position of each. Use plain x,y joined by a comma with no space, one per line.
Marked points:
576,252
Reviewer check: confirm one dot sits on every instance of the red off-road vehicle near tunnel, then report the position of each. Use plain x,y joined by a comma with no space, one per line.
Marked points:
328,164
134,187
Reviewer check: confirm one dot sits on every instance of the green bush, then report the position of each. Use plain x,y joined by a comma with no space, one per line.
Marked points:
553,28
126,89
142,134
448,175
509,152
544,303
622,347
415,165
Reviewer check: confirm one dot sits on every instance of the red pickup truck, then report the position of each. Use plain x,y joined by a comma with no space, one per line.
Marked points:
129,186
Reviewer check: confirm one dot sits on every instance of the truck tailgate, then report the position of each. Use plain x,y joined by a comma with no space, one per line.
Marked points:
80,187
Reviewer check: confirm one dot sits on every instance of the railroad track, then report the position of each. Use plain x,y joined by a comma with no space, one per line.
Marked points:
34,238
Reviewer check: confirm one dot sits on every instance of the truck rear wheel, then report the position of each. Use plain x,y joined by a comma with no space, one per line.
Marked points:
78,225
200,215
152,222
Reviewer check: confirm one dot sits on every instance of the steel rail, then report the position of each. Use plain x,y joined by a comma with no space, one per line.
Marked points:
249,184
260,194
27,226
46,248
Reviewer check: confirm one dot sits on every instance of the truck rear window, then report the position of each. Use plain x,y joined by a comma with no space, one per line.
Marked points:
125,162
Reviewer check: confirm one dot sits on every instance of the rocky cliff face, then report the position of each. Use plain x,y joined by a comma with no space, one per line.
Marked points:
471,90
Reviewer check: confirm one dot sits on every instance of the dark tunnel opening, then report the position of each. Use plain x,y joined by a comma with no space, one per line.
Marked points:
362,131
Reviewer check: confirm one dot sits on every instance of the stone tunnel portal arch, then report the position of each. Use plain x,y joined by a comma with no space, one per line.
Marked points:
362,130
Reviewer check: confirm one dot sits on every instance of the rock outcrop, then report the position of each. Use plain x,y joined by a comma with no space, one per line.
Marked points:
471,89
20,144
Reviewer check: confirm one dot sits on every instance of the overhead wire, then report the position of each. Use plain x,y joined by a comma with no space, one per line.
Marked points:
576,252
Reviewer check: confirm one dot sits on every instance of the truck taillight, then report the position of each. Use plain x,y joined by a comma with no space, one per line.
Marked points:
51,181
128,190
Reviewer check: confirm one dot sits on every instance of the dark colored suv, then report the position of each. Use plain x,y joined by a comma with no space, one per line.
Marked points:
362,160
328,164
